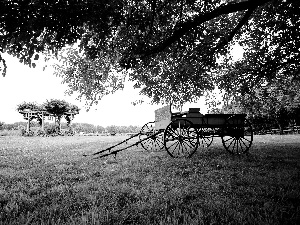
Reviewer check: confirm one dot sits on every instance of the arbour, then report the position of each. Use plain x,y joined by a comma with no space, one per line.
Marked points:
53,108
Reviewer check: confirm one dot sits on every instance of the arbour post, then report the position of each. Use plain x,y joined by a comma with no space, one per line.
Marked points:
28,116
43,122
28,123
69,117
42,115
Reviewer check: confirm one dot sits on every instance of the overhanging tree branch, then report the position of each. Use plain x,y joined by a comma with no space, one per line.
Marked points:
243,21
185,27
4,65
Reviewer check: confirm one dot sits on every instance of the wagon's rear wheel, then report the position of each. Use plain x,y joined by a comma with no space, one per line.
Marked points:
237,135
154,143
181,138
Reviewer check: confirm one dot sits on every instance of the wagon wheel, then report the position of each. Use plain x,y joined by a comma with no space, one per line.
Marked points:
181,138
154,143
237,135
205,136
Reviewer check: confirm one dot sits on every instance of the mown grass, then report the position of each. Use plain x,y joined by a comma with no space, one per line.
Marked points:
48,181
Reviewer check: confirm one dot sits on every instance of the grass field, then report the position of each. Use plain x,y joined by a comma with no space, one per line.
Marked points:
48,181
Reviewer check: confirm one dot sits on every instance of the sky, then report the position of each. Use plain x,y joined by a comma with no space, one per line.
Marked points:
22,83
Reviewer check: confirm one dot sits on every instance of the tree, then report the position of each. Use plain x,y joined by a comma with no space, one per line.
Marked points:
278,103
26,108
271,43
84,127
170,49
71,111
59,108
32,106
1,125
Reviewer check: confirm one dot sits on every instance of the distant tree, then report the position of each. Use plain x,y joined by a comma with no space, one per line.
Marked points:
72,111
32,106
17,125
112,129
9,126
215,111
1,125
26,107
100,129
59,108
278,102
84,127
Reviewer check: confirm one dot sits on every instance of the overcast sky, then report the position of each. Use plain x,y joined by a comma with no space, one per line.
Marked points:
22,83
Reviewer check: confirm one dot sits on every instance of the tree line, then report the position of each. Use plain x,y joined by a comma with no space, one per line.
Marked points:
273,106
76,127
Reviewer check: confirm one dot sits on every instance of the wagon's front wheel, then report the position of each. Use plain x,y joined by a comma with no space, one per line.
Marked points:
153,142
237,135
181,138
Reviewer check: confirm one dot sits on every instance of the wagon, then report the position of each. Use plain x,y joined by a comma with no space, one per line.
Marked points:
182,133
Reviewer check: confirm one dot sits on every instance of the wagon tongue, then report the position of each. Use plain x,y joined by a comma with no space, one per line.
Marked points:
108,151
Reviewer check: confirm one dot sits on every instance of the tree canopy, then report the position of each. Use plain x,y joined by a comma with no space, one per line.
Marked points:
173,50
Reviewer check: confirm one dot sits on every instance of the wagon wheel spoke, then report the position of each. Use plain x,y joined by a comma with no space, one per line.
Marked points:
182,146
152,143
159,141
189,144
242,144
246,140
183,141
207,141
172,132
238,129
233,140
174,150
242,141
205,137
229,139
169,136
236,147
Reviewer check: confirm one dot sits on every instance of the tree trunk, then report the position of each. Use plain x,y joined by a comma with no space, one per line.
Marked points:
58,123
280,128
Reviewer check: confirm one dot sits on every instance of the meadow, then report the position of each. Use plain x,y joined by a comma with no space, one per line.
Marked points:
46,180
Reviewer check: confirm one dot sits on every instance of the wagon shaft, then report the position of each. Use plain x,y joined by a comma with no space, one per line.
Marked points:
108,151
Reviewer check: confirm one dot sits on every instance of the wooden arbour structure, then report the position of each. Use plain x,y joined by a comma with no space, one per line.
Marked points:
34,114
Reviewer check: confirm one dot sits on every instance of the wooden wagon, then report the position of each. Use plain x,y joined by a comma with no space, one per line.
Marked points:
182,133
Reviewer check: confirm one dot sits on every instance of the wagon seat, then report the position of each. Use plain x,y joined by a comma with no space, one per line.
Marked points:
193,115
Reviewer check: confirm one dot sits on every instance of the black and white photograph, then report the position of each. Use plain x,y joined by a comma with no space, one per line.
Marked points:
167,112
